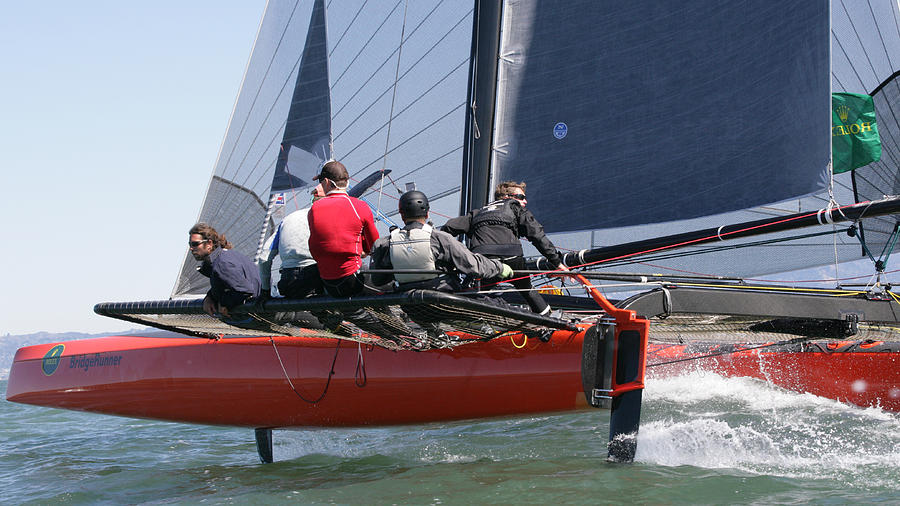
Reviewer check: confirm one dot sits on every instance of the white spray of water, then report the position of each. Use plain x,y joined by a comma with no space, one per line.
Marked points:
705,420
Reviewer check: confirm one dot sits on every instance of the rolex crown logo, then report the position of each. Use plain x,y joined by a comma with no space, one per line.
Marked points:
843,112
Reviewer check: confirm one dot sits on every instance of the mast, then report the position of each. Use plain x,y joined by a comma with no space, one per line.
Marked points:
481,100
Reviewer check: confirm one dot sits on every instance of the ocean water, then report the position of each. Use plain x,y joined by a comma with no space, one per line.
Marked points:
704,439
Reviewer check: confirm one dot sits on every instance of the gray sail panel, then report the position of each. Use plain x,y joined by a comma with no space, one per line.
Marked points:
407,118
307,133
235,203
413,127
867,33
664,118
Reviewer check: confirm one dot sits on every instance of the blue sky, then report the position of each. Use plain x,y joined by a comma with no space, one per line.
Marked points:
112,116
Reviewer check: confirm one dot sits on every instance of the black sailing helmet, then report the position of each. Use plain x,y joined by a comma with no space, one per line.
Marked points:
413,204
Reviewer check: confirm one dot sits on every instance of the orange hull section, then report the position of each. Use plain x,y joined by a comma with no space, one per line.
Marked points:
855,373
241,382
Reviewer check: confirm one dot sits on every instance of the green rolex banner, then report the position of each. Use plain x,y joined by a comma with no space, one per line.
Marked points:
854,133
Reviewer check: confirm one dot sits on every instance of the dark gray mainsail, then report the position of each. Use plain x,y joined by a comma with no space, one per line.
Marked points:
657,114
660,125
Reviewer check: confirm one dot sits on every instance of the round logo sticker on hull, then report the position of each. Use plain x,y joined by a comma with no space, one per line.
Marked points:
51,360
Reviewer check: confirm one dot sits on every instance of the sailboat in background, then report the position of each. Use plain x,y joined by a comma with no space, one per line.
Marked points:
642,137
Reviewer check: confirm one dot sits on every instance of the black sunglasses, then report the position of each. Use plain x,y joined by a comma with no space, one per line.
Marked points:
194,244
517,196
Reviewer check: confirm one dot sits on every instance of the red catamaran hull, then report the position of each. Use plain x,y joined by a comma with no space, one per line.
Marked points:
240,381
860,373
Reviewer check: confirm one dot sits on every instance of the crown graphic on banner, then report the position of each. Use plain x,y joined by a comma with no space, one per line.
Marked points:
843,112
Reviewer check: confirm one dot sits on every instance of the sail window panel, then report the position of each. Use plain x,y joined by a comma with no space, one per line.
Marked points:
673,119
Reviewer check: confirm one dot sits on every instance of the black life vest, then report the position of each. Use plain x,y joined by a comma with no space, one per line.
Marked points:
495,229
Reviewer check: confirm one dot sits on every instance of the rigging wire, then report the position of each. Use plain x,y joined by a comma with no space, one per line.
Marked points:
758,280
387,137
719,248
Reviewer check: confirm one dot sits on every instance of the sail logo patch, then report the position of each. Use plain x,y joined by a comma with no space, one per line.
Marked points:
51,360
560,130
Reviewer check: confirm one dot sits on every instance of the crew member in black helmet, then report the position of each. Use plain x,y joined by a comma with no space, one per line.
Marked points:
418,246
494,231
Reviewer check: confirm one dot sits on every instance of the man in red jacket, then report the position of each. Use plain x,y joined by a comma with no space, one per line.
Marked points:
341,232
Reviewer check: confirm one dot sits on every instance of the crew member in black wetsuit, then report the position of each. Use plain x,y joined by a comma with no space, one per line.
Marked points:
494,231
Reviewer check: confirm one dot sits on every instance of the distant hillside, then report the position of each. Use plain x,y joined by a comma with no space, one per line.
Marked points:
9,344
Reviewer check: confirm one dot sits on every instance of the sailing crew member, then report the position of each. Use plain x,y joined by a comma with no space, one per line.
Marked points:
299,272
417,246
233,278
341,232
494,231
